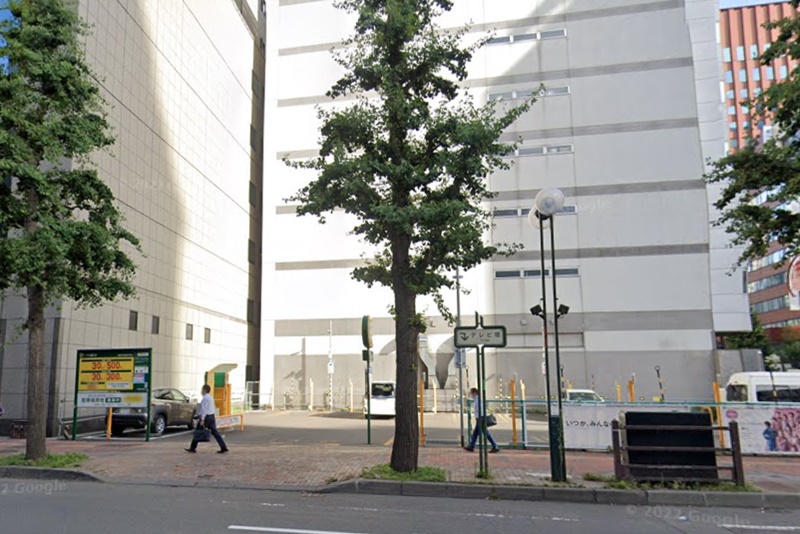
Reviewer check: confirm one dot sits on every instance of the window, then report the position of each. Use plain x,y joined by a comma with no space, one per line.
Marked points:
564,210
770,305
506,274
753,51
499,40
729,94
778,393
746,125
253,194
766,261
382,389
155,324
189,331
732,126
535,273
251,251
526,93
766,283
757,75
726,54
731,110
784,72
728,76
745,110
734,143
567,272
740,53
560,149
532,151
207,335
736,393
524,37
133,320
553,34
743,94
505,213
742,75
770,73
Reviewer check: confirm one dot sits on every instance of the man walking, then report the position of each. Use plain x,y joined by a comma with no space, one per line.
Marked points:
480,418
207,416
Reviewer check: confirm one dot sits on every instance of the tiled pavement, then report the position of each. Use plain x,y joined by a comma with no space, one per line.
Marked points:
254,463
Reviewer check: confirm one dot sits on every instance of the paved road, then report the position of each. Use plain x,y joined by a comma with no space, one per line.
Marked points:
32,507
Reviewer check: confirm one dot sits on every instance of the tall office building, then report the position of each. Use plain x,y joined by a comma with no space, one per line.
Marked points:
744,38
630,113
184,82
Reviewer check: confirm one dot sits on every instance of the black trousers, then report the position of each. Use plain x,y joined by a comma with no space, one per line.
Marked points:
210,423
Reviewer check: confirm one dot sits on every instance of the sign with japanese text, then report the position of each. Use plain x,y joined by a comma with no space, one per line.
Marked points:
112,378
486,336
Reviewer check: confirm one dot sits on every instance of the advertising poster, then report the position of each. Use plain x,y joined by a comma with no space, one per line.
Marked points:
767,428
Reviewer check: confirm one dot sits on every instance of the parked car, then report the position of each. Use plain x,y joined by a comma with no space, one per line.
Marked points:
168,407
583,395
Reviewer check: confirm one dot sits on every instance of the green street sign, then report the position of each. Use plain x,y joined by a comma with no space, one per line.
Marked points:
366,331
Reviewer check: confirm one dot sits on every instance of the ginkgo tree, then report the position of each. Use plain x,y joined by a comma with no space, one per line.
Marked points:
62,234
409,159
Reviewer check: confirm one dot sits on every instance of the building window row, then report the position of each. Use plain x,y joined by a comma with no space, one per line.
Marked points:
766,261
766,283
523,212
783,73
727,56
527,37
133,322
527,93
534,273
190,333
542,151
779,324
779,303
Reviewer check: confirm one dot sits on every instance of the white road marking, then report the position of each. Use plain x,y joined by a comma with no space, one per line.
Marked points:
775,528
284,530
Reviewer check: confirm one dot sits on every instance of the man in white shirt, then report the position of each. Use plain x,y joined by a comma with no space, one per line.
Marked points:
480,416
207,414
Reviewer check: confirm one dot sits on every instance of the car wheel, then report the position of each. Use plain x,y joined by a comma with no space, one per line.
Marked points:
190,424
117,431
159,425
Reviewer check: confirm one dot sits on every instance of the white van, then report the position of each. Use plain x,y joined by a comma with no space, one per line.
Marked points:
382,400
763,387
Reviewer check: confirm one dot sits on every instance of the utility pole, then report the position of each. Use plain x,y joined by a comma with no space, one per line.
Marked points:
460,359
330,365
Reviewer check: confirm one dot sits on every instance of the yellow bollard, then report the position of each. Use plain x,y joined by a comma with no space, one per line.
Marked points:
632,388
619,391
108,424
513,386
718,408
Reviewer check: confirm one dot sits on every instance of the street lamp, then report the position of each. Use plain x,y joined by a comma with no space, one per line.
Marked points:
548,202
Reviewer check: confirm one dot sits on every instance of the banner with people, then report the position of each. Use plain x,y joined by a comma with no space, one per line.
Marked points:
766,428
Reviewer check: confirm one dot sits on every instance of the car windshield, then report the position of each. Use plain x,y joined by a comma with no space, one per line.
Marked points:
582,396
382,390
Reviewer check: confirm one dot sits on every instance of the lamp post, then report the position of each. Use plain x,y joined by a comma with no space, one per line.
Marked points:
548,202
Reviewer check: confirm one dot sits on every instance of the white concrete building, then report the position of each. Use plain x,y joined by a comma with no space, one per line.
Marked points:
184,82
633,110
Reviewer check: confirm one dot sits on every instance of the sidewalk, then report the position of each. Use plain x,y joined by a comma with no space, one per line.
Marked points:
254,462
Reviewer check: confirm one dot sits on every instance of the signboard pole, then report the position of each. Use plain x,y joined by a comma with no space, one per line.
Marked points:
149,393
75,403
479,413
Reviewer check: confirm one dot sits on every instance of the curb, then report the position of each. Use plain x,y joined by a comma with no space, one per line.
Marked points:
47,473
723,499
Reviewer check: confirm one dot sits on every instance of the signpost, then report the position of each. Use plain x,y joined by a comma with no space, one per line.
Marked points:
113,378
479,337
366,354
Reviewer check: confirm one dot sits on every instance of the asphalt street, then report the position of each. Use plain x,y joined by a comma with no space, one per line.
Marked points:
34,507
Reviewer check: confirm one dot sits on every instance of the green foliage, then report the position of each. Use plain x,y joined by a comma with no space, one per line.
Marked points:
596,477
755,339
789,353
69,459
411,156
62,230
773,167
422,474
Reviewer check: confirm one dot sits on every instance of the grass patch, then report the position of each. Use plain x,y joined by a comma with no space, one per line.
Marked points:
69,459
683,486
422,474
595,477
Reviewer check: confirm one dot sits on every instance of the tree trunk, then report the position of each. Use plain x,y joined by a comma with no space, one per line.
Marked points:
405,451
36,446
